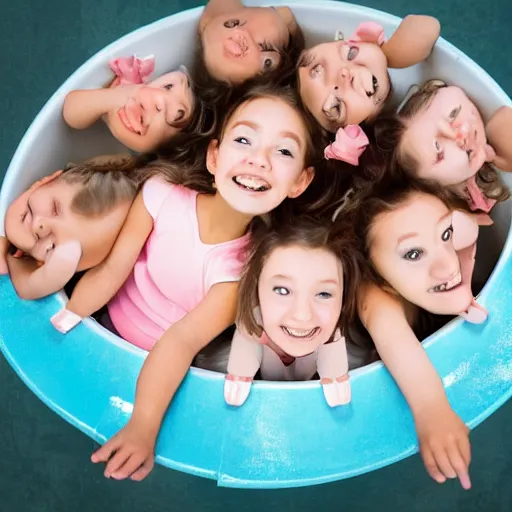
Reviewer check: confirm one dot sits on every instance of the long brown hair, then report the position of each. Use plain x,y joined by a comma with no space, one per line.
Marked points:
386,154
303,232
184,161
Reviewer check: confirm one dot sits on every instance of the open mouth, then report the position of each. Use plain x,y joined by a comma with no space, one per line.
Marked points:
448,286
125,121
252,183
301,333
235,47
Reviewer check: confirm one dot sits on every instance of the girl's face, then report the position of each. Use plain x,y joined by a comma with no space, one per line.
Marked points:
411,248
42,218
153,113
240,45
343,83
260,160
300,293
447,138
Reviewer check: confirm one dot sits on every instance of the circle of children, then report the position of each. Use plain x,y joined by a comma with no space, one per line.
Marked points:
271,187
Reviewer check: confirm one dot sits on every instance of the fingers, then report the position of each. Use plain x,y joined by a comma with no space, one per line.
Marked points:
431,466
132,464
118,460
144,470
459,465
105,452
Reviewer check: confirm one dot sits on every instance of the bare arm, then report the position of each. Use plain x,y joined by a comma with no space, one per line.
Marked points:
83,107
33,281
443,437
4,248
412,42
130,452
101,283
499,133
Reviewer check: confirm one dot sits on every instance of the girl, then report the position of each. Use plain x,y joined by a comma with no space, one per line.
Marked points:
421,255
68,222
345,83
179,256
237,43
142,116
438,134
289,313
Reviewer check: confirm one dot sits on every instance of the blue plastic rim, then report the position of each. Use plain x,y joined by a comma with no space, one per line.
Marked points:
285,435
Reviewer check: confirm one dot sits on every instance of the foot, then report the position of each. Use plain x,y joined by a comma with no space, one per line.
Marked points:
236,389
337,392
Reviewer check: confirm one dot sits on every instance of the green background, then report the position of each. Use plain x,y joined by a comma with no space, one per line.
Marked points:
44,462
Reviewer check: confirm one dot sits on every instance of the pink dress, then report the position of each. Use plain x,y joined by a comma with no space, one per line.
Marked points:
175,269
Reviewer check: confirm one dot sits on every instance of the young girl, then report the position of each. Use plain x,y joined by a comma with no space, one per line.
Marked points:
421,254
289,315
68,222
237,42
438,134
346,82
142,116
179,256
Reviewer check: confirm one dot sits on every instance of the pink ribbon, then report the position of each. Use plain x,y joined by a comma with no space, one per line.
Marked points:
348,146
369,32
132,70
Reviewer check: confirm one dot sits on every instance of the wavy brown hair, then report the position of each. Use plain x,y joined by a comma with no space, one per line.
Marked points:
308,233
387,157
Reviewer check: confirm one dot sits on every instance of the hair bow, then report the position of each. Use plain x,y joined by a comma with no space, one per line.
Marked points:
348,146
133,70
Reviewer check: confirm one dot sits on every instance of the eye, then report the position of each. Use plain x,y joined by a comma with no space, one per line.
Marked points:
242,140
168,87
56,209
179,115
413,255
324,295
447,234
281,290
267,64
286,152
454,113
352,52
316,71
439,152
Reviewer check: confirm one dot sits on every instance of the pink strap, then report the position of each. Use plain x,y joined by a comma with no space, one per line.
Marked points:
369,32
348,146
65,320
132,70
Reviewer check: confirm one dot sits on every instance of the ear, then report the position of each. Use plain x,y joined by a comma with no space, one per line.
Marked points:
211,156
289,18
302,183
412,42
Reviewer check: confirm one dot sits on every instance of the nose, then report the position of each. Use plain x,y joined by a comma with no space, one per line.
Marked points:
302,310
40,226
445,266
344,77
259,158
152,99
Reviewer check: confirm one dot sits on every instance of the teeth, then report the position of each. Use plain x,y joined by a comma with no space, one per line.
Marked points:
298,333
252,183
449,285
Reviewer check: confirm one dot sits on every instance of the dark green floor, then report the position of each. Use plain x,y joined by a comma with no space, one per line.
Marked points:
44,463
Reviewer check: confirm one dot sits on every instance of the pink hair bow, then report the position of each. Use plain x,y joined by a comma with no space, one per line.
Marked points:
133,70
348,146
369,32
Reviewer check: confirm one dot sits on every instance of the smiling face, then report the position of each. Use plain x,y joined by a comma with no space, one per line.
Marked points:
154,113
446,138
43,218
242,44
411,248
343,83
260,160
300,295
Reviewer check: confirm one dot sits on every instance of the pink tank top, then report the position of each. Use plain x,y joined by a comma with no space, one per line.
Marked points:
175,269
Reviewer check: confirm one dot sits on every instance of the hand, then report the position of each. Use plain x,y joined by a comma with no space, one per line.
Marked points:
130,453
444,444
4,246
236,389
